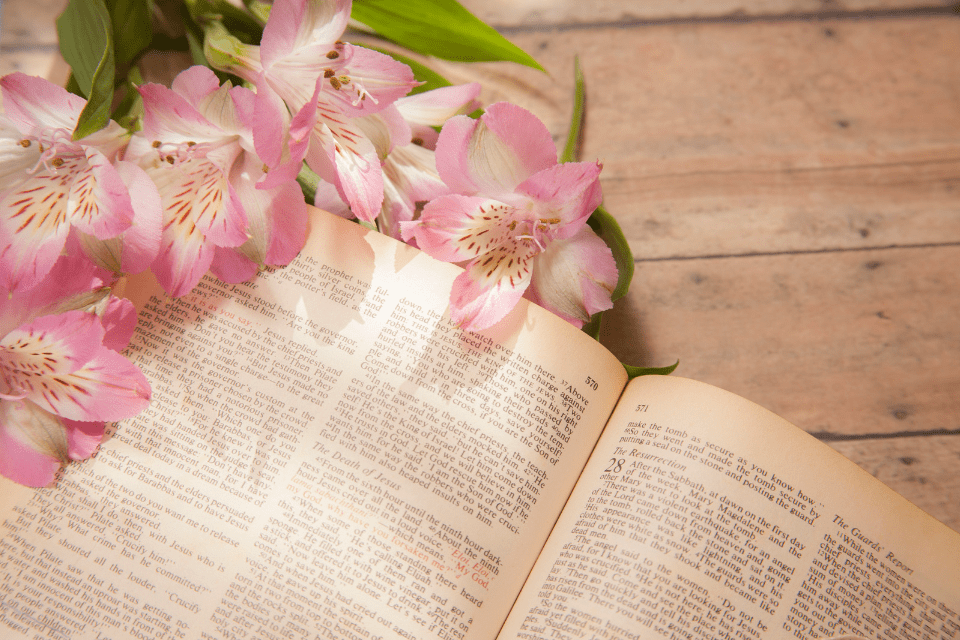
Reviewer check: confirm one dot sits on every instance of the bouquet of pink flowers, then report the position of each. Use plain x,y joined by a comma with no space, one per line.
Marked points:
112,176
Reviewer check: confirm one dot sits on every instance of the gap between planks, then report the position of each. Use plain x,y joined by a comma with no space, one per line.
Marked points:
735,18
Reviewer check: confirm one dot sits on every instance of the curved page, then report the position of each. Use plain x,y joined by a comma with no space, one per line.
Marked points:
703,516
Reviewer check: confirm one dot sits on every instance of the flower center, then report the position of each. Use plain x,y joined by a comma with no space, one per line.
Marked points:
535,231
342,81
54,145
175,153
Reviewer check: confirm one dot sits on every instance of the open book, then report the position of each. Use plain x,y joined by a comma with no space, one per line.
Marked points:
328,457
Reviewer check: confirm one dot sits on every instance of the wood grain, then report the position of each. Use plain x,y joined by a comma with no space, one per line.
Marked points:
575,13
854,343
30,23
781,136
921,469
32,63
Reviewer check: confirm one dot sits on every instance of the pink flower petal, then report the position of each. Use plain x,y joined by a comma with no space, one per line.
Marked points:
491,287
35,104
412,170
109,387
197,196
271,117
119,322
493,155
195,83
287,218
71,284
135,249
83,438
33,230
409,179
33,444
48,347
328,199
98,202
376,81
452,154
277,227
346,158
185,255
569,191
575,278
298,23
282,147
433,108
454,228
229,265
169,117
386,130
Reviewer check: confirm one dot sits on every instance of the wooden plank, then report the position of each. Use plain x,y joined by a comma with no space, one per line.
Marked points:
33,63
858,342
540,13
29,23
923,470
908,200
730,138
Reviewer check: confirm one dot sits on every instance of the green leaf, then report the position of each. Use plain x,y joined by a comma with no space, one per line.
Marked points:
239,21
129,113
132,28
571,150
73,87
85,34
634,372
606,226
197,53
441,28
86,43
260,9
592,326
308,182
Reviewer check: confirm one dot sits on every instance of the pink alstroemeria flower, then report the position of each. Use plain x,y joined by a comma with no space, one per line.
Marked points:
50,182
60,374
329,86
410,176
197,147
517,218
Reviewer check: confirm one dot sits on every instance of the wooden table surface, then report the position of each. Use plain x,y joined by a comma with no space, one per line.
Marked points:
787,174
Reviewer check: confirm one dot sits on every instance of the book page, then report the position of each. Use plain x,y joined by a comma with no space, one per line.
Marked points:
325,456
703,516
